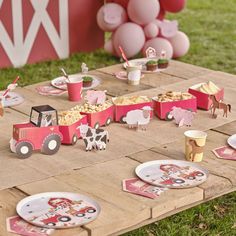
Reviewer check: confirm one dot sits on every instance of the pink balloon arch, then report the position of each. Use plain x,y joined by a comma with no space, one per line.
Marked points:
137,25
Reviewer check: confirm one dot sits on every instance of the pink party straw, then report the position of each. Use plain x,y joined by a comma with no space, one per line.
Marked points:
14,82
65,74
123,55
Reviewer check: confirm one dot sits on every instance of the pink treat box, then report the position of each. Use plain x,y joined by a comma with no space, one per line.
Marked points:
122,110
162,109
203,100
71,132
101,118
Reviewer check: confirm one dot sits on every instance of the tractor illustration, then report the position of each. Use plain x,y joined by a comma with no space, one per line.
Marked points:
41,133
53,220
171,181
82,212
192,175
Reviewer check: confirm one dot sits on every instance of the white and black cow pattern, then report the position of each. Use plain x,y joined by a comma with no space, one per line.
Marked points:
94,138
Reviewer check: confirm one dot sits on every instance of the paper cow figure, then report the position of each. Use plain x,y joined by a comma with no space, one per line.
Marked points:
94,138
182,117
96,97
138,118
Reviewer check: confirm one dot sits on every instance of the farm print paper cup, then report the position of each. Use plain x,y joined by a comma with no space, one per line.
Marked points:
134,74
74,87
195,141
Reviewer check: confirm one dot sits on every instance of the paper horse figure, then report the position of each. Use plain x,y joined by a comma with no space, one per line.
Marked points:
219,105
182,117
151,52
138,118
94,138
95,97
84,68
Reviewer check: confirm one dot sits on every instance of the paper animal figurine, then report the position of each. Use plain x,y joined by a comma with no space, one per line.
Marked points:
95,97
138,118
169,28
151,52
163,54
84,68
196,149
182,117
94,138
219,105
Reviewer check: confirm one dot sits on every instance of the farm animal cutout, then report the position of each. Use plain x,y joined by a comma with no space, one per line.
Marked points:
182,117
95,97
151,52
84,68
94,138
219,105
138,118
168,28
196,149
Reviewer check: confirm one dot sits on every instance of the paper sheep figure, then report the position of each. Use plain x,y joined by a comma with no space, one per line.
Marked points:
84,68
96,97
182,117
138,118
94,138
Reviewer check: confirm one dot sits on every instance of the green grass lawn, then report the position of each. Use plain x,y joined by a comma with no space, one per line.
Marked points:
211,26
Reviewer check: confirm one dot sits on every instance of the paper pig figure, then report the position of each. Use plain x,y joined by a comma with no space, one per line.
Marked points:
169,28
138,118
95,97
182,116
112,14
94,138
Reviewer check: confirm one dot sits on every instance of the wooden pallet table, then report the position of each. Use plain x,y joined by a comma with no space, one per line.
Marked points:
99,175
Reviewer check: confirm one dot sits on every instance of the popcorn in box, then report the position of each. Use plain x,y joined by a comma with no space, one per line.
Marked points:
203,90
98,114
125,104
69,123
163,103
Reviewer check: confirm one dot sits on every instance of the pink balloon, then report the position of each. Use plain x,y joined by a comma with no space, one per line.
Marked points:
123,3
130,37
111,16
180,43
173,5
143,12
160,44
151,30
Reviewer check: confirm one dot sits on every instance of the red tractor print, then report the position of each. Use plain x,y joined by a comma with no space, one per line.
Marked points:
41,133
171,181
193,175
53,220
82,212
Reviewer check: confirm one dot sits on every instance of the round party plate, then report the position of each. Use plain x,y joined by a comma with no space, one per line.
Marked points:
11,99
60,82
58,209
142,62
172,173
232,141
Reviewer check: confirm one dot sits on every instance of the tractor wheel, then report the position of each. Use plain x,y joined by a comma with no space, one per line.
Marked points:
191,177
74,139
97,125
80,215
169,117
179,181
51,144
122,121
64,219
200,174
108,121
91,210
51,224
24,150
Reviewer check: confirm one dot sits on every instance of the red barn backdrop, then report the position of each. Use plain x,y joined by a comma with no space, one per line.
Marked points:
36,30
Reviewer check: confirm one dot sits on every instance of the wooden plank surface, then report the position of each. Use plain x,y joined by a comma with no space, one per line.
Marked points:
229,128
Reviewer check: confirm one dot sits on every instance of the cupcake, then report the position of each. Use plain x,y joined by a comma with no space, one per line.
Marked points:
163,63
87,81
151,65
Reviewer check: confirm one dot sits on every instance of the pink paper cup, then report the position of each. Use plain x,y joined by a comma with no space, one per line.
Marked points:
74,88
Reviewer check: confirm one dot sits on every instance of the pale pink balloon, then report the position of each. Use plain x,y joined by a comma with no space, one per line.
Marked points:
180,43
151,30
111,16
160,44
143,12
108,46
130,37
